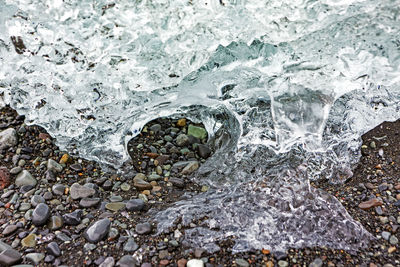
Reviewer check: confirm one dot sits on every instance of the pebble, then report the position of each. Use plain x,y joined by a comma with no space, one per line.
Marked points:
89,202
78,191
73,218
195,263
125,187
115,206
370,204
142,185
55,223
29,241
9,256
25,178
130,245
76,167
143,228
15,170
36,200
241,263
98,230
53,165
197,132
135,205
283,263
53,249
190,167
41,214
35,258
58,189
8,138
182,262
180,183
385,235
126,261
393,240
182,140
9,230
108,262
316,263
204,151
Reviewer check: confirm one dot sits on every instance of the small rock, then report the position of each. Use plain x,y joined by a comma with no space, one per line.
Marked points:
73,218
108,262
9,256
393,240
98,230
55,223
89,202
25,178
283,263
204,151
182,140
78,191
130,245
182,262
52,165
190,168
115,206
181,123
9,230
180,183
53,249
58,189
385,235
142,185
155,128
135,205
370,204
76,167
143,228
195,263
126,261
41,214
36,200
15,170
316,263
35,258
196,131
241,263
29,241
125,187
8,138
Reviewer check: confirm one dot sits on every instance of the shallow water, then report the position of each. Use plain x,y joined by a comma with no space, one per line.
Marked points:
285,89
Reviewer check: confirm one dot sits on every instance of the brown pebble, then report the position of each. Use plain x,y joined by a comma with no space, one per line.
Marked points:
164,262
370,204
397,187
4,178
181,122
182,262
392,249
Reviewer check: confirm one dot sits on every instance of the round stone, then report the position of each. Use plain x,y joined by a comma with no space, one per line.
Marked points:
115,206
130,245
195,263
41,214
126,261
55,223
36,200
53,249
29,241
135,205
89,202
98,230
143,228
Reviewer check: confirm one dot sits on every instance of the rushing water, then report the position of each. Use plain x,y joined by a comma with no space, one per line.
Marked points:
285,89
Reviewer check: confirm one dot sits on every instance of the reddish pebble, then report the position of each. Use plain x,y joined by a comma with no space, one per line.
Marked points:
397,187
44,136
182,263
8,205
370,204
164,262
4,178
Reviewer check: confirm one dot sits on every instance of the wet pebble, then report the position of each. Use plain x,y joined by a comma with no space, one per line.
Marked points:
143,228
53,249
98,230
135,205
73,218
41,214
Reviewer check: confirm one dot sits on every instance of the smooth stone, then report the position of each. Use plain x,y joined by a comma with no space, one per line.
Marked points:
115,206
55,223
36,200
125,187
140,176
135,205
370,204
108,262
53,249
16,170
115,198
29,241
89,202
35,258
41,214
48,195
153,177
180,183
98,230
393,240
126,261
63,237
142,185
89,247
283,263
58,189
143,228
9,257
197,132
53,165
76,167
8,138
190,167
25,178
9,229
78,191
195,263
130,245
155,128
204,151
385,235
73,218
241,263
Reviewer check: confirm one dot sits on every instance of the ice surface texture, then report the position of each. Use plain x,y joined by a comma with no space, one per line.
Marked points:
299,81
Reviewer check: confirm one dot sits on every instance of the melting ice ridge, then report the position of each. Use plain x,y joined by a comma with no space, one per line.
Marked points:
285,89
